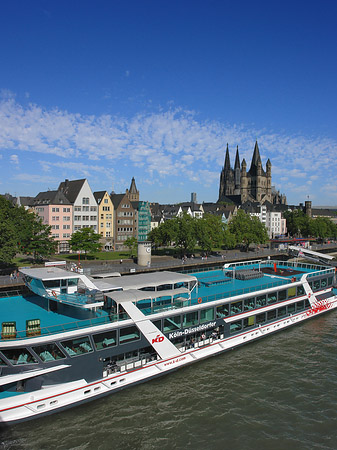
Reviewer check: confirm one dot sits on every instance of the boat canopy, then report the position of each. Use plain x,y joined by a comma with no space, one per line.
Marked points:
155,279
134,295
49,273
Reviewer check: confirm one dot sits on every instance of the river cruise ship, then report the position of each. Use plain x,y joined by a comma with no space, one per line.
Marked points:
76,338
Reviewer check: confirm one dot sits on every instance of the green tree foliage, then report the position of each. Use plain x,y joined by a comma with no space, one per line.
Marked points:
36,239
247,229
131,243
8,244
22,231
300,225
210,232
85,240
184,233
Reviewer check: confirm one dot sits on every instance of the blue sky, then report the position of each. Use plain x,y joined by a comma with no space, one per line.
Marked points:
155,89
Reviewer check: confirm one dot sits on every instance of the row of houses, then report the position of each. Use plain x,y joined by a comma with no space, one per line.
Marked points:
116,217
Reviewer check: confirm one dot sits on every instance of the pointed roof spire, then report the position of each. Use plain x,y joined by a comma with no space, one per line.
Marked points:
237,159
256,155
227,160
255,160
133,188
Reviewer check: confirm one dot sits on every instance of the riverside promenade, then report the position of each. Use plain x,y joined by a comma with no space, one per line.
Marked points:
128,266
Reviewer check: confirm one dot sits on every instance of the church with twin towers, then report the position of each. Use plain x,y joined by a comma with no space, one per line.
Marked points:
238,185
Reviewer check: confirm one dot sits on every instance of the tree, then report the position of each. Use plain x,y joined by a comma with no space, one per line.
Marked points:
85,240
247,229
298,223
22,231
131,243
184,233
37,240
209,232
8,243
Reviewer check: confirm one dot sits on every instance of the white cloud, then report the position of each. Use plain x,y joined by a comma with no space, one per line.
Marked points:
171,143
14,159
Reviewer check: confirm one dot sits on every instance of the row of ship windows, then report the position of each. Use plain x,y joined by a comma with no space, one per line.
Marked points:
73,347
261,318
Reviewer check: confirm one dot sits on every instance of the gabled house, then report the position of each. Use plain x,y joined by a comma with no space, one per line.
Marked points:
105,219
57,211
125,219
80,195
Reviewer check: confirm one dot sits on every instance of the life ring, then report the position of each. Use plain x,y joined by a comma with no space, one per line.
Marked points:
199,300
54,294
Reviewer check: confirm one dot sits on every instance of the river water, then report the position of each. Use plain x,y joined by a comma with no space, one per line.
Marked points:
277,393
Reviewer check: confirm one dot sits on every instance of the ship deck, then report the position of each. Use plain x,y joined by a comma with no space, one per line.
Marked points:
212,285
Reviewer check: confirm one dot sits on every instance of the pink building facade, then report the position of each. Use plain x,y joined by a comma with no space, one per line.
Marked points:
55,210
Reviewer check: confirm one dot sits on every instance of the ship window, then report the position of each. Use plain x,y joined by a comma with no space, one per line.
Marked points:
261,301
249,304
222,311
179,285
248,322
2,362
236,307
157,323
164,287
190,319
260,318
282,311
307,303
300,305
292,292
72,282
18,356
323,283
236,326
291,308
49,352
105,340
51,284
300,290
272,298
148,289
282,295
172,323
206,315
76,347
128,334
316,285
271,314
329,281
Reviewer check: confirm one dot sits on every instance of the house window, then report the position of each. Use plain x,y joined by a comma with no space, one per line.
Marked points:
85,201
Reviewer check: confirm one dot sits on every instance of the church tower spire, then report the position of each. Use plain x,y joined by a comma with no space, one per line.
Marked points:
227,165
237,173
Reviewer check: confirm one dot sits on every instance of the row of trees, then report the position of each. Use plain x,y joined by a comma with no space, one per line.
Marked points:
299,224
186,232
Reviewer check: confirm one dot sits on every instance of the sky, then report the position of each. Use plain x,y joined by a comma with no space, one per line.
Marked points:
155,89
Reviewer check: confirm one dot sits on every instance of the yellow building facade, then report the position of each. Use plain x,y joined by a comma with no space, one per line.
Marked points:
105,219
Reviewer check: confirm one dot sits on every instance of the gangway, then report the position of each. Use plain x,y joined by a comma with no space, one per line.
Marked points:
310,254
